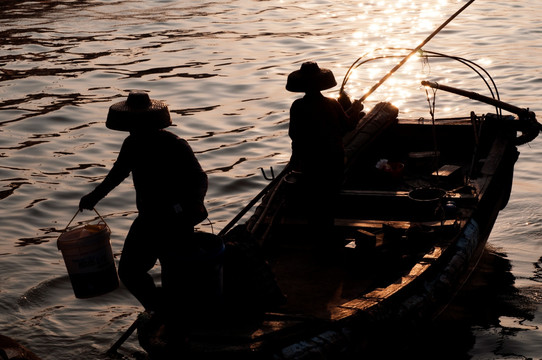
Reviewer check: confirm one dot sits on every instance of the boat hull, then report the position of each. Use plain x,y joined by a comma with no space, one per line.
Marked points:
408,239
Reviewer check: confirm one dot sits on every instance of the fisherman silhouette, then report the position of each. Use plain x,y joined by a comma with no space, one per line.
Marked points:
170,188
317,127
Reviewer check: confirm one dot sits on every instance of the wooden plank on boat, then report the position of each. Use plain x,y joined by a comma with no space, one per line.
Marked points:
353,306
434,254
376,193
373,298
455,196
377,224
378,295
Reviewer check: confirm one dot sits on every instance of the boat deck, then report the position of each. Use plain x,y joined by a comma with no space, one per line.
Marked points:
387,238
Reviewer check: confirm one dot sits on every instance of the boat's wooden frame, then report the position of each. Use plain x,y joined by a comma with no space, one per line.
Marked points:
408,263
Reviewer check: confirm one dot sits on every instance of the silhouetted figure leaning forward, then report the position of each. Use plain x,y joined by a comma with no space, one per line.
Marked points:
170,188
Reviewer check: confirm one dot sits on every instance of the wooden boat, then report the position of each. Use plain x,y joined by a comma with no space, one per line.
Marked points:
407,234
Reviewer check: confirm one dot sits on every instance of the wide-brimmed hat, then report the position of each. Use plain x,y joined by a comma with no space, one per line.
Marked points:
310,77
138,112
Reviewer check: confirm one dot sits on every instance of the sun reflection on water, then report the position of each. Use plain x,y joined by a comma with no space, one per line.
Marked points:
416,20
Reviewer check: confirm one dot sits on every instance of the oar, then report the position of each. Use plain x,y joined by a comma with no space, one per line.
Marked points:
405,59
112,352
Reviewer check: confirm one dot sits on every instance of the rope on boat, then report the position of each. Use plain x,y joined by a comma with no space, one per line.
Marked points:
432,105
527,124
479,70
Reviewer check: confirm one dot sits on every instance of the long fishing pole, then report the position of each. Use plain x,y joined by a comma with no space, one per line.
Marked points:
415,50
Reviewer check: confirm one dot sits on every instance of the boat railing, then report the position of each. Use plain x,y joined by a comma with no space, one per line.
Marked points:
526,123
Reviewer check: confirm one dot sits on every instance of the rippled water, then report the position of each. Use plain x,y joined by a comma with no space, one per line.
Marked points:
221,66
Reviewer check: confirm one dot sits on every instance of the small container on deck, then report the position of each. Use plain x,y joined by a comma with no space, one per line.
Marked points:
451,174
426,201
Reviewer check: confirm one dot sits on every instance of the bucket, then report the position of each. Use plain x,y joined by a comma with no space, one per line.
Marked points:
209,262
426,200
89,260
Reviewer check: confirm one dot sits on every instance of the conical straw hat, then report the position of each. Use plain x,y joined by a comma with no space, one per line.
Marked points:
138,112
310,77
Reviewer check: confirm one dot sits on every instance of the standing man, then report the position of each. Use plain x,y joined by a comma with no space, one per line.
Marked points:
317,127
170,188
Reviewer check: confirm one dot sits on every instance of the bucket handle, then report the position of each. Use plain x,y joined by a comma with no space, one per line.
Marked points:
77,212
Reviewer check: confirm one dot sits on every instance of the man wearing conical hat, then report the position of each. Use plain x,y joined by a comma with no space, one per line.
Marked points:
170,188
317,127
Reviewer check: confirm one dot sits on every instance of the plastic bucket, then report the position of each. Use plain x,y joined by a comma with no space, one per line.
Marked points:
209,261
89,260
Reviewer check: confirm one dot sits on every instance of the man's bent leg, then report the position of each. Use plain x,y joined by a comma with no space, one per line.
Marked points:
137,259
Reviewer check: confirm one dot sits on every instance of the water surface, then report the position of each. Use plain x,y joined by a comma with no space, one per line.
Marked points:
221,66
